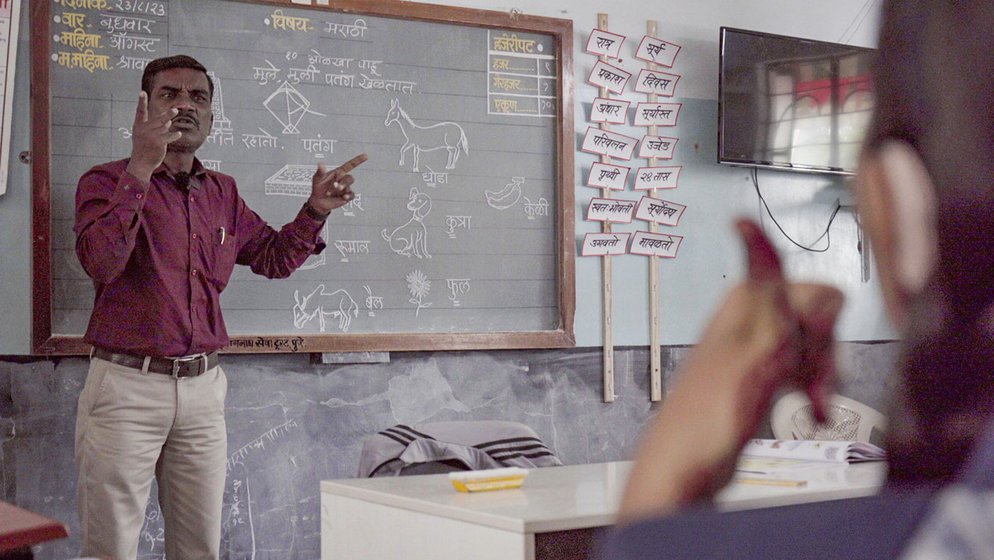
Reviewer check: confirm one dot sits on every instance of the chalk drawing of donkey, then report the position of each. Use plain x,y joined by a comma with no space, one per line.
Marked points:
447,136
320,305
411,238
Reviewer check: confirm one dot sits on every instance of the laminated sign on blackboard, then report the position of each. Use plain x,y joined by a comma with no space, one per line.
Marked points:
457,237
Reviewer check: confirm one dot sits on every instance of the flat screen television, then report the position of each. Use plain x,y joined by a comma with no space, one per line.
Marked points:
791,103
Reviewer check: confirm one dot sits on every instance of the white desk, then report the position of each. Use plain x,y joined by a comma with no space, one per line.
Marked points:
423,517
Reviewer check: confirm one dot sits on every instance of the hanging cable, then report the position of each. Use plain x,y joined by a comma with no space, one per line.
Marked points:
827,234
857,22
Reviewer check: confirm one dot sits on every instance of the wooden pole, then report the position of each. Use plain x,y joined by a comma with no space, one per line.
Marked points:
655,359
606,268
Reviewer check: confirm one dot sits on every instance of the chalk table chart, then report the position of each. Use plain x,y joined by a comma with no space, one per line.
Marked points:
461,232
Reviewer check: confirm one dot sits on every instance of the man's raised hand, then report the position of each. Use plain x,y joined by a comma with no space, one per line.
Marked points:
149,138
332,189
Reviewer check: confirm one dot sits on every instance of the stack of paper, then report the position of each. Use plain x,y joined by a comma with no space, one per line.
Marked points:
811,450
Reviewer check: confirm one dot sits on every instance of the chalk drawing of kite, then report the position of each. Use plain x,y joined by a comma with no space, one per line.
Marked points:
288,106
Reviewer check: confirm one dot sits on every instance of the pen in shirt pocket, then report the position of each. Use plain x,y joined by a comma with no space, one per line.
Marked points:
223,233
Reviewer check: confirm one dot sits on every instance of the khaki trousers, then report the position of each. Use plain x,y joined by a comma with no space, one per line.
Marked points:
132,426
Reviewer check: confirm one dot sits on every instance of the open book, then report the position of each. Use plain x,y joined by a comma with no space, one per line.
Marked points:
811,450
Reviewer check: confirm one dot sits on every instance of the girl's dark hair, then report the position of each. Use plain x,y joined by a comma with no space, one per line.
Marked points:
933,78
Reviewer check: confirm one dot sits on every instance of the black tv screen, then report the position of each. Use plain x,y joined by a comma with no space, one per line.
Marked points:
791,103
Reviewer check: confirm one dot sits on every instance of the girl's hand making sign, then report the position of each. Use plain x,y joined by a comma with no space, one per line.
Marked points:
767,335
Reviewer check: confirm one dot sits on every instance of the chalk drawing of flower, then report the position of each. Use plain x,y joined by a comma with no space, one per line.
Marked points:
419,286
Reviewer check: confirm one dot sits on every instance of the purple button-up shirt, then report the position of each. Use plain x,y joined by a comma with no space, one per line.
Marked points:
160,256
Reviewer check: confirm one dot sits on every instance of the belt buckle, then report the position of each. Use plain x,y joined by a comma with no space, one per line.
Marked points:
178,362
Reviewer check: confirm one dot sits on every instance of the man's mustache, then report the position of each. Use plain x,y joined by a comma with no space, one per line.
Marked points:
188,116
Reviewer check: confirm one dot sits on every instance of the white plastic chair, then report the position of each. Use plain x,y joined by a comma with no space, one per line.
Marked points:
848,420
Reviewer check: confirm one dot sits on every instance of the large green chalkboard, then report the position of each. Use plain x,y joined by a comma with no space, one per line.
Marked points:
461,232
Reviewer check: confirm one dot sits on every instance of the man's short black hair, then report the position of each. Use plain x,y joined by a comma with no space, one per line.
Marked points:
169,62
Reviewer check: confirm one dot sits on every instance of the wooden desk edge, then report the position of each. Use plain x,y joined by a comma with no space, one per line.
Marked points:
20,528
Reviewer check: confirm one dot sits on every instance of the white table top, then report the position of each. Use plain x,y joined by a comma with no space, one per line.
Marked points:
582,496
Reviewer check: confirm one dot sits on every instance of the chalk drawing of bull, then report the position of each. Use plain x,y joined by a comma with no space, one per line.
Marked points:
322,305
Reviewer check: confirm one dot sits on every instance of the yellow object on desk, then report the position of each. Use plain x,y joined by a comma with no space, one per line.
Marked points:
489,479
772,482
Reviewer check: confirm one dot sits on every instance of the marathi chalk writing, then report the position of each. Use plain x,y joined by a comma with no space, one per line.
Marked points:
139,7
386,85
433,178
221,137
506,106
125,42
132,62
84,4
318,147
297,75
116,22
118,31
373,303
263,75
452,223
259,443
85,60
340,80
355,30
290,23
347,247
74,20
512,43
505,83
317,58
536,209
264,140
353,206
79,39
457,287
522,80
370,65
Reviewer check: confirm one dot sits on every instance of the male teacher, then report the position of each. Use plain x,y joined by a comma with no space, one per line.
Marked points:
159,234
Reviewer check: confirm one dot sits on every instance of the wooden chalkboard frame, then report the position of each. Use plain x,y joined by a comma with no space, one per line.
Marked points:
45,342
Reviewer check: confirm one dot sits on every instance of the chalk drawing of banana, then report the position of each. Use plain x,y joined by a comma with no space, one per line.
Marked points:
506,197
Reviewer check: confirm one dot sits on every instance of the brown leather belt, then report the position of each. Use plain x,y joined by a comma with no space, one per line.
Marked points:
187,366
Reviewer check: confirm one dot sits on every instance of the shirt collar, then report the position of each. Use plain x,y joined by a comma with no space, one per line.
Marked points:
198,171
